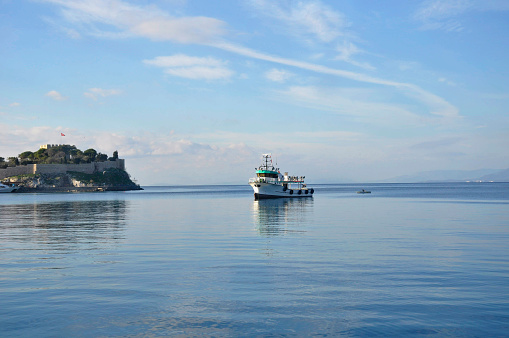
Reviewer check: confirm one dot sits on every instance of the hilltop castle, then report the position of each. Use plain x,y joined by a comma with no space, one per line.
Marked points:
44,168
86,168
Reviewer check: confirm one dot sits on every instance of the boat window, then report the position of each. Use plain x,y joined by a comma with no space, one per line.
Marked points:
267,175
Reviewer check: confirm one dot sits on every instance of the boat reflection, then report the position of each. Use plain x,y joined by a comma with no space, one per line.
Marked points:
64,225
276,217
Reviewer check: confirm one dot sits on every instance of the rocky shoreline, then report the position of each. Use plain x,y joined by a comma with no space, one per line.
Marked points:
74,182
76,189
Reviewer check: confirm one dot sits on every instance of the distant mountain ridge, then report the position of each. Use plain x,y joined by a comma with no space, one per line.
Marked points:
495,175
499,176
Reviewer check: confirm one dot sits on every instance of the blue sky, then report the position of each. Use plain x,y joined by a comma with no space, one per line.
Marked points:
193,92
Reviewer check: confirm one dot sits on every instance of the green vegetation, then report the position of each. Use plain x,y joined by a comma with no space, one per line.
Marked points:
111,176
57,155
21,177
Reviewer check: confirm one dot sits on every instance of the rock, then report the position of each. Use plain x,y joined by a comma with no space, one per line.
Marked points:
110,179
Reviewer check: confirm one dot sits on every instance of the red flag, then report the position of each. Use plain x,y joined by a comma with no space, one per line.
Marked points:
62,134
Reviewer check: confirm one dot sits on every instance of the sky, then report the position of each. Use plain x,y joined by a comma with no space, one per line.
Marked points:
194,91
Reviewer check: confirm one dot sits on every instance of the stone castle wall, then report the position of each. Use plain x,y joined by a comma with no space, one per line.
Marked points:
87,168
15,171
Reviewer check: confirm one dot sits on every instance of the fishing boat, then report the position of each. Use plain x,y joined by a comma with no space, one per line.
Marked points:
7,188
270,183
364,191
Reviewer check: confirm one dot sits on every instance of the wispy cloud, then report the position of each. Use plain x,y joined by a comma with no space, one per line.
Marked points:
346,52
446,14
240,50
152,157
151,22
311,18
16,139
441,14
95,93
91,16
358,104
447,81
278,75
437,105
314,21
192,67
55,95
172,158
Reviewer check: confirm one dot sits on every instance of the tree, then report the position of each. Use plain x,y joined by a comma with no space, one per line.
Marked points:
115,155
91,154
13,161
26,155
40,155
25,161
101,157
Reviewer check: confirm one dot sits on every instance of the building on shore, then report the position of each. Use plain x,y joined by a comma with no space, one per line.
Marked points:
48,146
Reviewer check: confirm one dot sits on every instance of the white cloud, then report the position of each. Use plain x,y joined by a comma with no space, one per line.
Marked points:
312,18
278,75
196,73
436,104
169,158
16,139
240,50
95,93
357,103
181,60
125,19
191,67
442,9
153,23
446,14
347,50
14,104
55,95
442,14
447,82
151,157
183,30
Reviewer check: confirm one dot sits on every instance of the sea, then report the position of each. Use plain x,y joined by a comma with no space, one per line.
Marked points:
406,260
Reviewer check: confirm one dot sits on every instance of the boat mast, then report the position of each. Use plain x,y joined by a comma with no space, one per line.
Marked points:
267,157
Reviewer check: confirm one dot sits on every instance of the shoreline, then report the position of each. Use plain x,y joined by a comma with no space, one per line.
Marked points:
24,190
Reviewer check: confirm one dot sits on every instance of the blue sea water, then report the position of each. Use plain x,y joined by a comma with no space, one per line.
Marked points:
405,260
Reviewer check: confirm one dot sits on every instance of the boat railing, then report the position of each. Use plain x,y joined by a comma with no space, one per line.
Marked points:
275,180
264,180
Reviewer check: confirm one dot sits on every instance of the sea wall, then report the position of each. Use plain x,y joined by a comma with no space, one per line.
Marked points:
87,168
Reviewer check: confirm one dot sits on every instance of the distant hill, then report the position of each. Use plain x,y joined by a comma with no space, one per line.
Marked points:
495,175
499,176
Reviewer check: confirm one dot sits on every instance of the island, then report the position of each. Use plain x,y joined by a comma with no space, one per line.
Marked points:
65,168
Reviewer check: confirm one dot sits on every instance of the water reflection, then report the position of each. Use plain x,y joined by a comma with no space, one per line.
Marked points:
74,222
275,217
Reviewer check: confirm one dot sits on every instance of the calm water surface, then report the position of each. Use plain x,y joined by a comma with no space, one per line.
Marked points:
406,260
